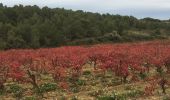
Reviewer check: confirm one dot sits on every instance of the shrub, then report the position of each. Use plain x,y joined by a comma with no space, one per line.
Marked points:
128,87
47,87
134,93
75,89
86,73
16,90
117,96
106,98
1,92
30,98
96,93
80,82
74,98
166,98
142,75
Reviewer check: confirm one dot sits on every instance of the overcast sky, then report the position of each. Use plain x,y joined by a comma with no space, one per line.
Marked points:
139,8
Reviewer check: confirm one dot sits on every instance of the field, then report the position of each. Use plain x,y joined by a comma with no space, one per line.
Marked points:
127,71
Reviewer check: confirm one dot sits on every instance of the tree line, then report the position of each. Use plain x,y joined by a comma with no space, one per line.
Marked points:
35,27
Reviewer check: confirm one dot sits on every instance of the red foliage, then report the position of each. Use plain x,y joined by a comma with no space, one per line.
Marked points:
149,90
122,59
64,85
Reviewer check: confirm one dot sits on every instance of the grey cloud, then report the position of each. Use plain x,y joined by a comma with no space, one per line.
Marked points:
138,8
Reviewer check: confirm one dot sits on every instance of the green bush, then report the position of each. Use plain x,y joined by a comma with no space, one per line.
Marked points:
134,93
119,96
47,87
142,75
166,98
75,89
1,92
80,82
114,96
30,98
2,88
74,98
16,90
122,96
86,73
96,93
106,98
128,87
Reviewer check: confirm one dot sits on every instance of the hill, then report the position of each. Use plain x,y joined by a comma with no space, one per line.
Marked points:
35,27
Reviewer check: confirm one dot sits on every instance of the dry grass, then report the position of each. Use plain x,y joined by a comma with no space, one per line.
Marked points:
96,84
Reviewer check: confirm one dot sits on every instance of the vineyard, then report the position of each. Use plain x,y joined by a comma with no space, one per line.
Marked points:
103,72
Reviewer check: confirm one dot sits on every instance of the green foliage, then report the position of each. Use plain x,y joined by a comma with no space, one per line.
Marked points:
47,87
113,97
30,98
16,90
1,92
142,75
80,82
166,97
34,27
75,89
96,93
160,70
117,96
74,98
106,98
72,80
86,72
128,87
63,98
2,44
122,96
134,93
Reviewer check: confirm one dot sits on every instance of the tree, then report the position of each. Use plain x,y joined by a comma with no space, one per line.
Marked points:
50,27
14,41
